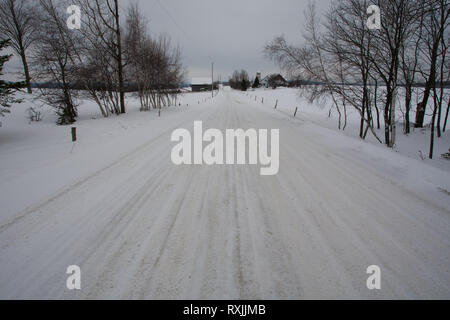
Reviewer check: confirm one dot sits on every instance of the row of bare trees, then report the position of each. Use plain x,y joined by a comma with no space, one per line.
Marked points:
371,70
239,80
18,25
154,63
100,61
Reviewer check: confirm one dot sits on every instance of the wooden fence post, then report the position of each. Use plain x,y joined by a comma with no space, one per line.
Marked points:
276,104
74,134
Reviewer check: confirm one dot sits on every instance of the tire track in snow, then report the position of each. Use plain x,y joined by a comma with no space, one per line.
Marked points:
114,164
196,232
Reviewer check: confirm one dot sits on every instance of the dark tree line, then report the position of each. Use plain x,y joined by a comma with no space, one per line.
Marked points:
239,80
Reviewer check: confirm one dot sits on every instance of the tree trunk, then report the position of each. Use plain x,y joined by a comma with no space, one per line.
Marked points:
119,62
408,99
363,111
386,126
441,90
345,115
26,72
361,125
430,84
387,117
446,117
392,117
432,129
376,104
378,117
439,134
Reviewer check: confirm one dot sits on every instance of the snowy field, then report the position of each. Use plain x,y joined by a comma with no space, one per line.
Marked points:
415,145
141,227
39,158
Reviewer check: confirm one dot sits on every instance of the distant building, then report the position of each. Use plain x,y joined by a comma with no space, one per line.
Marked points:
274,80
201,84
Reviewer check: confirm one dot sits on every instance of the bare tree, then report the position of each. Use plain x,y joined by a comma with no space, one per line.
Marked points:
349,42
443,77
410,59
446,114
153,65
101,27
443,74
336,58
98,77
54,61
238,78
397,24
436,22
447,68
17,23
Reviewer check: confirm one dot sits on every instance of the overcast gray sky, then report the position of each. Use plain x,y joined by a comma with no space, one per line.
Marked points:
230,33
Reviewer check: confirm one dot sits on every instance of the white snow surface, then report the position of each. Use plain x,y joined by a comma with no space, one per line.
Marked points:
140,227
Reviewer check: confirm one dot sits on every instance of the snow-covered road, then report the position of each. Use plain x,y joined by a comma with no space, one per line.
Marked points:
142,227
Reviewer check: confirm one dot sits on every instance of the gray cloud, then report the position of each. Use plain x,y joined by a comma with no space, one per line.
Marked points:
231,33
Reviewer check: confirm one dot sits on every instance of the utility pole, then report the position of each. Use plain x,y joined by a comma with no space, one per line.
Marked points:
212,79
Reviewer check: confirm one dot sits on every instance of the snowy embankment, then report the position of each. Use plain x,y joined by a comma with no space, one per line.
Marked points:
404,165
39,159
415,145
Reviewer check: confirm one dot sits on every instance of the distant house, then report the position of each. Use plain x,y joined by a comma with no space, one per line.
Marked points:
264,81
274,80
201,84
